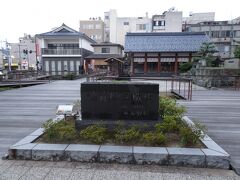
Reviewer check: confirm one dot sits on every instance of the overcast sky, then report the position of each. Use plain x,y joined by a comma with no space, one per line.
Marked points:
33,17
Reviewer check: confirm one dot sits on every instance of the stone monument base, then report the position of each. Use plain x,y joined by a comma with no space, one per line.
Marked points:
144,125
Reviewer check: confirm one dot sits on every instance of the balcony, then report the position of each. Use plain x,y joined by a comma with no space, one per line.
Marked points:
61,52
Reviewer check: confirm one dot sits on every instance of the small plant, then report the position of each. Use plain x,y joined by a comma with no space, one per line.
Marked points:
185,67
169,124
154,138
50,130
55,131
169,107
188,136
70,76
129,135
94,133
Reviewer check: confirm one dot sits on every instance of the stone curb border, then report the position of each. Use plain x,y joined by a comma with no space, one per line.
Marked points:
213,156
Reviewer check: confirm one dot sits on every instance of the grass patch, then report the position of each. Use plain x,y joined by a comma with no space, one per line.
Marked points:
6,88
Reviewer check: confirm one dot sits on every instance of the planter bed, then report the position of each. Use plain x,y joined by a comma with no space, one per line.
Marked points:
213,156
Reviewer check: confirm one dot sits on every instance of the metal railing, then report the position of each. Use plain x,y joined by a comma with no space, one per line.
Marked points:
61,51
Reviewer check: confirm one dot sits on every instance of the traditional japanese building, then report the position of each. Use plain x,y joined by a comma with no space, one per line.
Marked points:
63,50
106,57
161,53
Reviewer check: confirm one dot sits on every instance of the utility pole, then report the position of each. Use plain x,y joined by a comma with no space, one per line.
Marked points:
8,55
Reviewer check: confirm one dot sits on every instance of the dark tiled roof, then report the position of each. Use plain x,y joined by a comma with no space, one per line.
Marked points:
164,42
104,56
65,31
107,44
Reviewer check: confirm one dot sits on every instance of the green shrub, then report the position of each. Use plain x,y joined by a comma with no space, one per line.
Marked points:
67,133
185,67
94,133
129,135
70,76
188,137
169,107
50,130
169,124
55,131
153,138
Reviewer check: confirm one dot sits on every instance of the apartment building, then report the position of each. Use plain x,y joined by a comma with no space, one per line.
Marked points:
117,27
24,53
224,34
93,28
169,21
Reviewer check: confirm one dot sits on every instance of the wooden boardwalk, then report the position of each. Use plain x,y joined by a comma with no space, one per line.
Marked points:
219,111
24,110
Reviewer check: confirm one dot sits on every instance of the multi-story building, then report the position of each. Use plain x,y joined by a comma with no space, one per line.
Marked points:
195,18
63,50
224,34
117,27
103,52
1,59
93,28
24,52
169,21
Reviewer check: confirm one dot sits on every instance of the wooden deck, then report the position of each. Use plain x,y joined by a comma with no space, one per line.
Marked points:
219,110
24,110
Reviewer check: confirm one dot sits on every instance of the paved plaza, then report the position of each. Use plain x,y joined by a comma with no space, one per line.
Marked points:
40,170
24,110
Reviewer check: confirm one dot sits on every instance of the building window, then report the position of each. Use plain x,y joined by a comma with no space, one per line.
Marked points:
106,17
88,26
223,34
105,50
141,27
162,23
98,26
226,48
215,34
125,23
159,23
228,33
236,33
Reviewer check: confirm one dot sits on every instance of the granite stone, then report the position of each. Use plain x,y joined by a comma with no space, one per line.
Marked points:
214,146
52,152
26,140
216,159
82,153
150,155
119,101
37,132
23,152
119,154
186,157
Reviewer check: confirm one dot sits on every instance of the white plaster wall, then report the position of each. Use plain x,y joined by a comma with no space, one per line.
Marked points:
85,44
173,22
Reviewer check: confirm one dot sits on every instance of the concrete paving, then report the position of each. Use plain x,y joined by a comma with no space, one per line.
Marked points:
42,170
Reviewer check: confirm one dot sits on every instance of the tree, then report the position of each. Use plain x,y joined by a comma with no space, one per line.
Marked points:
206,53
237,52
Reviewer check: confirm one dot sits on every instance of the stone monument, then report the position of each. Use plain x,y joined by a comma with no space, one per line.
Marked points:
109,102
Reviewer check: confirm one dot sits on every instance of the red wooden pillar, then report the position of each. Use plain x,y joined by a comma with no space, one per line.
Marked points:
159,63
145,64
190,57
176,64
